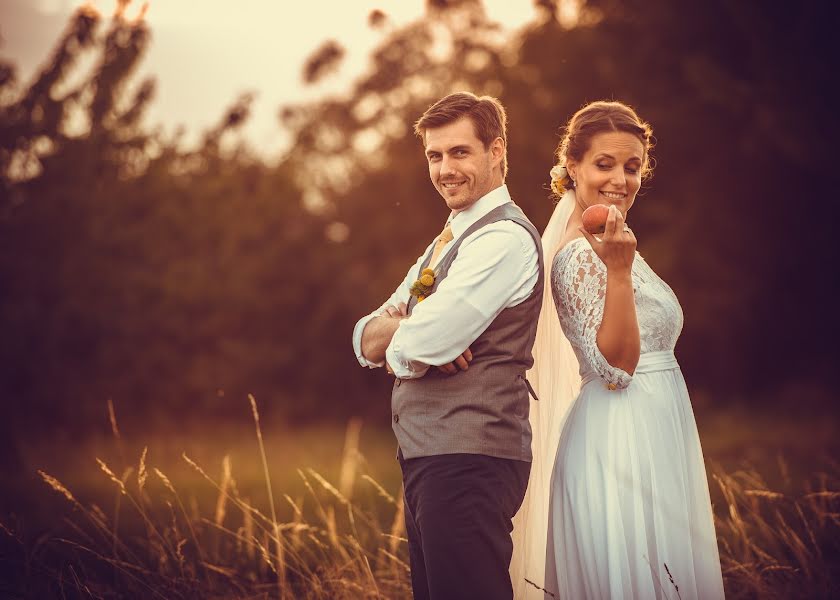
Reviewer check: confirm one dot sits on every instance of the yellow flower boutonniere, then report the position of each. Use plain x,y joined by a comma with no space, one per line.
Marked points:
422,287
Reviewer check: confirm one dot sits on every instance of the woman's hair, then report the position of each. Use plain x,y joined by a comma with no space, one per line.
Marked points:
589,121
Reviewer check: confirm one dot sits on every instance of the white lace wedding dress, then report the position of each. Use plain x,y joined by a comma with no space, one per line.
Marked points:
629,493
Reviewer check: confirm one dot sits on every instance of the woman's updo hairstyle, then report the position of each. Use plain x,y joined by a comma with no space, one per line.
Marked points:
585,124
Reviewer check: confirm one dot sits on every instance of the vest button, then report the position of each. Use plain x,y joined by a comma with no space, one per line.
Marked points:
399,381
396,418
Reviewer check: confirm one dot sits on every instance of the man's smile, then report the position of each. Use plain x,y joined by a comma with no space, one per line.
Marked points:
452,185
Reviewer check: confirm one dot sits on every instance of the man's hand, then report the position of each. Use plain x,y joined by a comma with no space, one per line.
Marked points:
379,331
398,312
462,363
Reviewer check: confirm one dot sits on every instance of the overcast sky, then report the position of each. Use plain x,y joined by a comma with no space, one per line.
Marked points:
204,53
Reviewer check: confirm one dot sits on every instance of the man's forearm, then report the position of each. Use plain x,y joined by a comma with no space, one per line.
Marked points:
376,337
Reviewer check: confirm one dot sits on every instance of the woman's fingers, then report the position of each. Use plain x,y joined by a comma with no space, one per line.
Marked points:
612,220
619,220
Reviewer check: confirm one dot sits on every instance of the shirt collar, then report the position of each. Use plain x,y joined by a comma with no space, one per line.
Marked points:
493,199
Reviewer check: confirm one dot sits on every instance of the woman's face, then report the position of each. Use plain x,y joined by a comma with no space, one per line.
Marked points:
610,171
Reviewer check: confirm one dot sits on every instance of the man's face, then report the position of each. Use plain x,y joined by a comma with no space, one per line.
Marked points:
460,167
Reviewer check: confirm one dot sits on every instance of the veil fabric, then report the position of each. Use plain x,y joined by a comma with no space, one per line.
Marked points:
556,381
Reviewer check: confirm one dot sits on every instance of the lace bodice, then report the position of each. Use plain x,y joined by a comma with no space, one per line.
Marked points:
579,283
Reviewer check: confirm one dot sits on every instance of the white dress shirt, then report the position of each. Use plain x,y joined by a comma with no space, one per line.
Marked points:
496,268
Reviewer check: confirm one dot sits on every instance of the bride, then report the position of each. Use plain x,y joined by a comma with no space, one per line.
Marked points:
618,503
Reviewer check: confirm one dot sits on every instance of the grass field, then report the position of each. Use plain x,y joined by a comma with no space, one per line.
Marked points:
256,511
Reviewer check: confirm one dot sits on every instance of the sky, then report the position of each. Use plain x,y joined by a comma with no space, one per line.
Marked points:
205,53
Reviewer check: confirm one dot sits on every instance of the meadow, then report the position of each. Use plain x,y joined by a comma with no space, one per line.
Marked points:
262,511
174,278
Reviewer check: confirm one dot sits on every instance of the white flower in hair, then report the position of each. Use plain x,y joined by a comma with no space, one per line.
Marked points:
558,172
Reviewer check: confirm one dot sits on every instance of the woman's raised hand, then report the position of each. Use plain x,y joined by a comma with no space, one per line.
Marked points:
617,246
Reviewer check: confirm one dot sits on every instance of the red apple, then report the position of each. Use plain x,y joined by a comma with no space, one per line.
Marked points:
595,218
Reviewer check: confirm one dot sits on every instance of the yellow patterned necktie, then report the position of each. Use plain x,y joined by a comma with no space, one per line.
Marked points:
444,238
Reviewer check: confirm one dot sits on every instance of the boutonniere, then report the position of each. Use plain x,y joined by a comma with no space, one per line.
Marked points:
422,287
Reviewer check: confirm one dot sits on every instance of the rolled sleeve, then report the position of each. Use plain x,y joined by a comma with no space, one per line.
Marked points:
490,273
401,294
358,330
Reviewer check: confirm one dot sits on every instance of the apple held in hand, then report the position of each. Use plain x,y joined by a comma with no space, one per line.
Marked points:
595,218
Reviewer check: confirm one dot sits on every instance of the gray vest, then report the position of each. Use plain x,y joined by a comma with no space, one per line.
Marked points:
483,410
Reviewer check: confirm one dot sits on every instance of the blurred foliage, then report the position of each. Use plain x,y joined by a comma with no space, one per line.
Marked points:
177,281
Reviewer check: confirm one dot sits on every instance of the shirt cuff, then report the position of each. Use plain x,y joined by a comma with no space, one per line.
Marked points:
357,341
403,369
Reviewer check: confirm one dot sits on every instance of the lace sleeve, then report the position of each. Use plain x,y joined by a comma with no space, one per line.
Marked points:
581,288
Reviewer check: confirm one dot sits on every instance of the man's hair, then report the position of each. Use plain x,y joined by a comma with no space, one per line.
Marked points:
486,113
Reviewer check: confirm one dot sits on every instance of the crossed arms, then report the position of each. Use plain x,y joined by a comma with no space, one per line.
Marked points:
496,268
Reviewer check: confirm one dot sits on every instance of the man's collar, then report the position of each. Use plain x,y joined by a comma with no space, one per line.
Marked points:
492,199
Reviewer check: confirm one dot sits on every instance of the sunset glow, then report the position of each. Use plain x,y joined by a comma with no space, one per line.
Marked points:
205,54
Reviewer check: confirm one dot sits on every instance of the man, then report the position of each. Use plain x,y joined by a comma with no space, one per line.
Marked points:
460,401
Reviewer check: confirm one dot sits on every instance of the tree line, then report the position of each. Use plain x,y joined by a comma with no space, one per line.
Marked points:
175,281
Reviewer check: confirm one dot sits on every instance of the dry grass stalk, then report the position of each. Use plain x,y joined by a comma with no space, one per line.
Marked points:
281,582
243,506
165,480
265,554
360,552
395,537
112,417
248,526
824,495
112,477
381,490
297,522
171,488
397,526
224,488
127,569
7,531
350,458
59,487
764,494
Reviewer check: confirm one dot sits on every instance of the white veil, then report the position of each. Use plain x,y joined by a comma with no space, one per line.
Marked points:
556,381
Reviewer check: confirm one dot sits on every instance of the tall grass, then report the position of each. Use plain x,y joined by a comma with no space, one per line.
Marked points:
330,548
151,544
779,544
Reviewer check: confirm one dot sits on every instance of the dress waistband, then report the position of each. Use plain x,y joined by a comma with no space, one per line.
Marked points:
649,362
663,360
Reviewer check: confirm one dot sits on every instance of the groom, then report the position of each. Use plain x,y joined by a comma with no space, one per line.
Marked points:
457,334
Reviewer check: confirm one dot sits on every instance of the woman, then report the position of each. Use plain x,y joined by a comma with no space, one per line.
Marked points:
625,511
